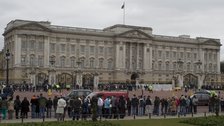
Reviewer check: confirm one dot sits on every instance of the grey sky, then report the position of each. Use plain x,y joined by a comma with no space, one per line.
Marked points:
197,18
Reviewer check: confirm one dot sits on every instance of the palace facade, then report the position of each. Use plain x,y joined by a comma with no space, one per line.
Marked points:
41,52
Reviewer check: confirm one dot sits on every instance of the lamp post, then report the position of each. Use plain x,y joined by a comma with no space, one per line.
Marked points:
78,74
200,75
179,71
52,76
7,56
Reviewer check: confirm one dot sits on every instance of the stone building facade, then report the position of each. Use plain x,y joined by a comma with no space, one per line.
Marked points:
42,52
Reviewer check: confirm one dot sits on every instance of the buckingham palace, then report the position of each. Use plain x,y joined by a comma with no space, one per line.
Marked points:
44,53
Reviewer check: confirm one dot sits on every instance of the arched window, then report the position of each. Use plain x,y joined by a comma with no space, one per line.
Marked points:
110,64
174,66
72,62
210,67
82,64
32,60
167,66
140,64
127,63
101,63
62,61
160,65
188,66
91,63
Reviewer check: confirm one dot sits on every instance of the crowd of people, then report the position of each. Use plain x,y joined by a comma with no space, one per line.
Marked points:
111,107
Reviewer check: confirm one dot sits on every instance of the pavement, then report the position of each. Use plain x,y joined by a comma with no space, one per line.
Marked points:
103,119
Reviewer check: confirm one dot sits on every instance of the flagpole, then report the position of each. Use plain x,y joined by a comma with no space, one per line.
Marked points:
124,14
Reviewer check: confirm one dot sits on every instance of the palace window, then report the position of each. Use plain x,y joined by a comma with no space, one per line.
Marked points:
40,61
32,60
91,63
110,64
188,55
72,63
62,48
160,66
72,49
160,54
23,60
167,66
32,45
101,49
92,49
62,61
195,56
82,49
41,46
110,50
101,63
167,55
52,47
24,45
188,66
174,55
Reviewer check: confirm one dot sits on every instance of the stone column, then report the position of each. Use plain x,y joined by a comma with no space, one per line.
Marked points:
17,50
46,51
137,57
218,61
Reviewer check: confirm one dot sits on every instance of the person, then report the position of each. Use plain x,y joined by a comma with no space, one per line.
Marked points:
76,108
195,104
134,105
129,106
10,108
121,106
107,102
17,106
60,109
3,106
84,107
25,108
42,104
141,106
94,108
33,102
148,104
100,106
49,107
55,103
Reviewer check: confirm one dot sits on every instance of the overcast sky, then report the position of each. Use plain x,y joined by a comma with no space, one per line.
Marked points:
197,18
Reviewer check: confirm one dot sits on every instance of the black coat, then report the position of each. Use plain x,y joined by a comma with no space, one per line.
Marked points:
25,106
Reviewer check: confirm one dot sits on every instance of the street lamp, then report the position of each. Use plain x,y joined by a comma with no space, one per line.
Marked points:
78,74
7,56
51,71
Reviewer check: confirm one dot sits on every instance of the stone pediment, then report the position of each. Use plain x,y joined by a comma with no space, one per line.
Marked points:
212,42
134,34
34,26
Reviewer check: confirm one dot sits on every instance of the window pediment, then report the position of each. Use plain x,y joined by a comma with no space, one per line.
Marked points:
212,42
134,34
34,26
